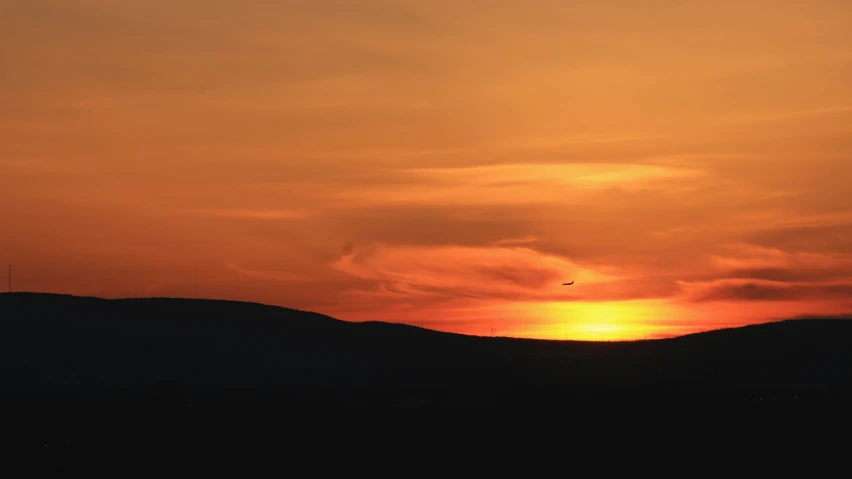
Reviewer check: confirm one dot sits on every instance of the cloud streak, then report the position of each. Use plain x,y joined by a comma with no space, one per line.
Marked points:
517,184
270,275
252,214
764,290
475,272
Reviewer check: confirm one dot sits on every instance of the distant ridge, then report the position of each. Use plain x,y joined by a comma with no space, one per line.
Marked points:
86,364
34,298
202,307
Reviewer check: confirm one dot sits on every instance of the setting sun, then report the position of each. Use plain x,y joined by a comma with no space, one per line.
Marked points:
610,321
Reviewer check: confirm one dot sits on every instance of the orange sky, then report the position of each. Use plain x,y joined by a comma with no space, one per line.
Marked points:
439,162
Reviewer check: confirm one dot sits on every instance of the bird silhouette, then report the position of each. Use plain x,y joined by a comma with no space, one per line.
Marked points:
568,284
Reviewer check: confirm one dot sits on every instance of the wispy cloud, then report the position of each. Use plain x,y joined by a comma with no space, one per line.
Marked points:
480,272
747,256
272,275
515,241
763,290
516,184
788,219
496,145
251,214
790,115
580,175
749,272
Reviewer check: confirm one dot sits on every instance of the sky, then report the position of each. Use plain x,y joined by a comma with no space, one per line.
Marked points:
443,163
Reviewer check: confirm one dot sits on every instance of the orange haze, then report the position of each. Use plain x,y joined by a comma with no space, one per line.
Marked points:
437,162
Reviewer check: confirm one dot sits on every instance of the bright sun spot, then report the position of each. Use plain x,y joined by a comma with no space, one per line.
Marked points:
609,321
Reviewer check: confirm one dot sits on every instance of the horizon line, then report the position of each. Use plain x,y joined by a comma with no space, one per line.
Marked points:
706,331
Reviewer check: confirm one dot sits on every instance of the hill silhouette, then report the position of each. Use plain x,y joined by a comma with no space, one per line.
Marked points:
80,370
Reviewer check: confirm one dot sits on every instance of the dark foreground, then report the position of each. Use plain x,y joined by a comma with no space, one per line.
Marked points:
81,374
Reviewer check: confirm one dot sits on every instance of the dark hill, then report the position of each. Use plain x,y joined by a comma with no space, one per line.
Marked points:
78,369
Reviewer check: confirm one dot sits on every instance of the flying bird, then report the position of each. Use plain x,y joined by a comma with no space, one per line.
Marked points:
568,284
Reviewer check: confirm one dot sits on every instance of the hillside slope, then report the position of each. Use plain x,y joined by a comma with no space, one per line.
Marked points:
85,367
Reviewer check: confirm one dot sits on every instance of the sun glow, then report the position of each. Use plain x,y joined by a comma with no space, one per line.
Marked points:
601,321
